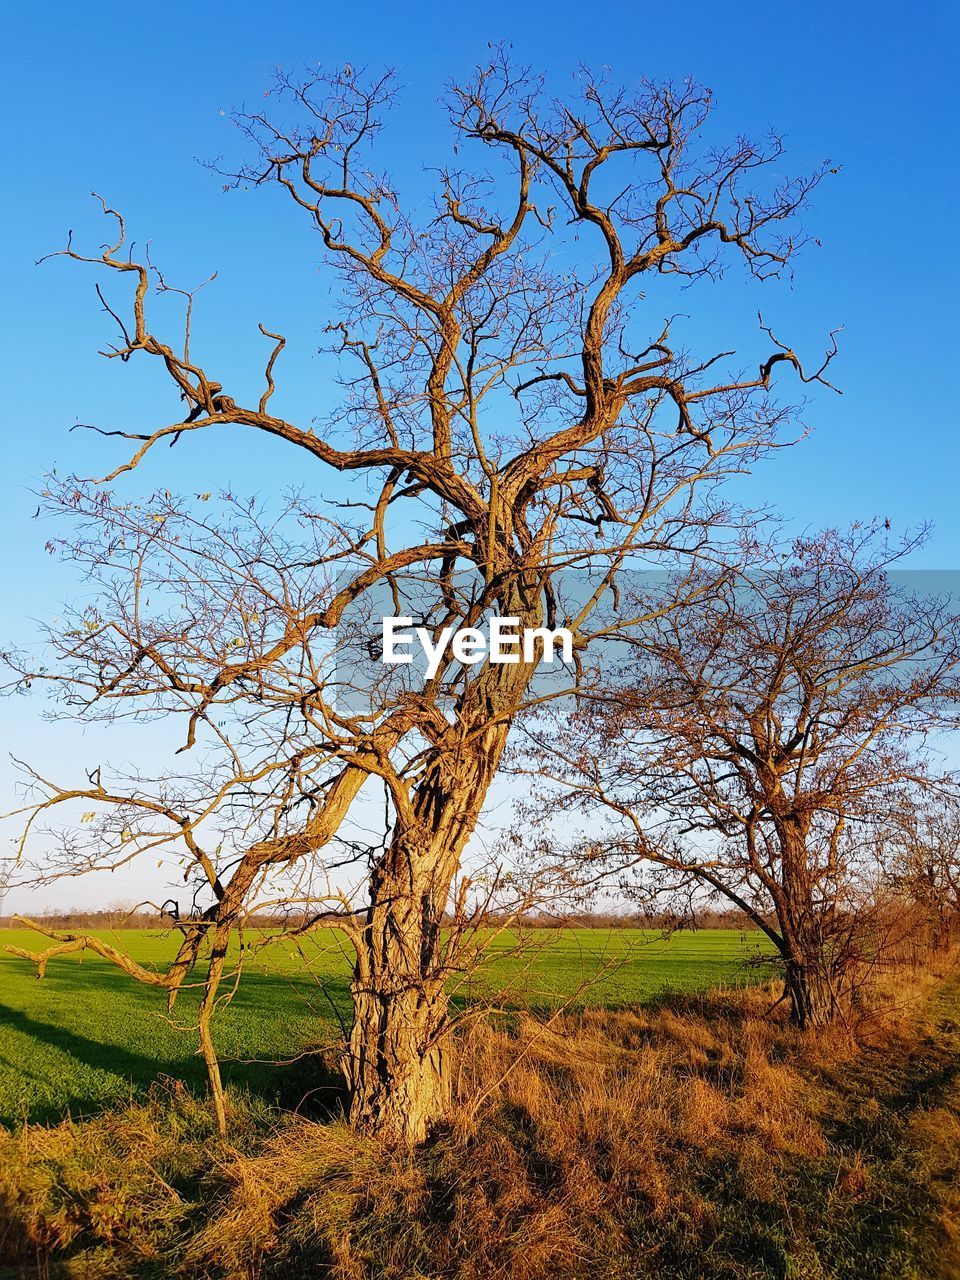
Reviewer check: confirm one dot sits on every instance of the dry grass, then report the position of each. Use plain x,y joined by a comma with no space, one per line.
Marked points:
586,1136
694,1139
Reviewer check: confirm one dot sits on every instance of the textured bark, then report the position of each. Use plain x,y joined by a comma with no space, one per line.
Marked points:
399,1049
396,1066
812,1002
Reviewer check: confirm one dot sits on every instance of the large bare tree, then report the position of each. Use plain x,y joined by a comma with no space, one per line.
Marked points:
508,417
765,741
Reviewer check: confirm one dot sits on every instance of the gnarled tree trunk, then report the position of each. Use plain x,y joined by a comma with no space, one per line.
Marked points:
398,1061
397,1056
397,1064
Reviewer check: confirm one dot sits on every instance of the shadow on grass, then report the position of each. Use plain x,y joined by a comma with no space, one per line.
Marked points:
304,1078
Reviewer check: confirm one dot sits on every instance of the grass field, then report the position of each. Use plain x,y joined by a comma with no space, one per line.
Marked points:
697,1135
87,1035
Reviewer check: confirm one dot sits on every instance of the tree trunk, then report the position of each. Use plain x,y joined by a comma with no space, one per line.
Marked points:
396,1065
812,1002
398,1059
804,929
941,932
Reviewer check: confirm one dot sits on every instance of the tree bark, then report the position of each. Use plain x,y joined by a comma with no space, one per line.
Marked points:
812,1002
397,1063
803,928
397,1060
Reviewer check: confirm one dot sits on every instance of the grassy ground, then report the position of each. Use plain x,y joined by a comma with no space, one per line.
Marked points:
694,1138
88,1035
891,1118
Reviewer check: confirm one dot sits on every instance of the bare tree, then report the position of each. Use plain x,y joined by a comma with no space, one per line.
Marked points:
505,420
763,743
924,856
8,867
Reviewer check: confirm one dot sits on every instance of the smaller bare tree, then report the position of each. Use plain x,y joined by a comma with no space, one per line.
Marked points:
7,870
925,862
756,743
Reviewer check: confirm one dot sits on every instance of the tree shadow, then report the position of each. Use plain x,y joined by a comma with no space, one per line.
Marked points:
304,1079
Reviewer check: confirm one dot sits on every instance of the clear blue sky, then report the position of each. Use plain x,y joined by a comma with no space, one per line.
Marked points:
125,99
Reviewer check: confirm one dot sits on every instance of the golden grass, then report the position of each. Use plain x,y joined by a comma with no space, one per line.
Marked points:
580,1126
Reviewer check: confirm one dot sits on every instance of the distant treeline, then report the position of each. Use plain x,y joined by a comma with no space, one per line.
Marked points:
130,918
666,920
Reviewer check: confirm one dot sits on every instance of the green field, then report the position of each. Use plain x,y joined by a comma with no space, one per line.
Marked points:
87,1034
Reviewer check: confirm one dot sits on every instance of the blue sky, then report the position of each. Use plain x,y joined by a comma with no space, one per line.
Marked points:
126,100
